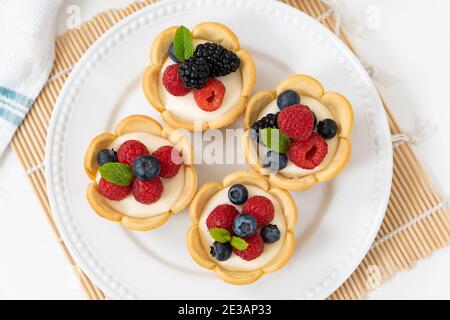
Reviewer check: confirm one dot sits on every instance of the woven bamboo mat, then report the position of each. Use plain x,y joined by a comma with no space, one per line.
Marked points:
417,221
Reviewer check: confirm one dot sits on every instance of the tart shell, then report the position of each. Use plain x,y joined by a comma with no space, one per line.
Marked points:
339,106
139,123
209,31
203,258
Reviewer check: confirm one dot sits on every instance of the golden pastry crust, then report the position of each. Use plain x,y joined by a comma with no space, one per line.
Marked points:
139,123
209,31
202,256
339,106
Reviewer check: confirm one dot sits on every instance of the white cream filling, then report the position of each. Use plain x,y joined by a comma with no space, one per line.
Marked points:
236,263
322,113
186,108
172,187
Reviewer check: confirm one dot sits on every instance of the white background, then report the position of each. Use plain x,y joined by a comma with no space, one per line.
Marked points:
410,42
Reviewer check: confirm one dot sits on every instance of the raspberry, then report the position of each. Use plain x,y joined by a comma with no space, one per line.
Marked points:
172,81
297,122
130,150
147,191
210,97
112,191
222,217
170,160
254,250
310,153
261,208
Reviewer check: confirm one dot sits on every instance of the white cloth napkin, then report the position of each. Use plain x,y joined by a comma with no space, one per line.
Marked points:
27,37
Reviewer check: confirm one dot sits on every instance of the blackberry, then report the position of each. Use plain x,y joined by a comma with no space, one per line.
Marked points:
269,121
194,73
221,61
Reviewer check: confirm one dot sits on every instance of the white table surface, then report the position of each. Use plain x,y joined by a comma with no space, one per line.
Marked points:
410,42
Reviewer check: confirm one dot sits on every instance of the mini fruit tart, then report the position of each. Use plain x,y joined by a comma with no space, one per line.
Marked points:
141,174
199,79
242,228
298,135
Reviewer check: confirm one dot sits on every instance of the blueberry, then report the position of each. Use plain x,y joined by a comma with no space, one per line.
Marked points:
275,161
221,251
146,167
244,225
327,128
238,194
287,99
106,156
270,233
172,54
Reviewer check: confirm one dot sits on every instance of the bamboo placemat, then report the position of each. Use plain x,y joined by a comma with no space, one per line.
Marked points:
417,221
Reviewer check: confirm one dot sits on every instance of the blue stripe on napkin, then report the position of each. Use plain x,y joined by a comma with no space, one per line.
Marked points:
16,96
9,116
13,106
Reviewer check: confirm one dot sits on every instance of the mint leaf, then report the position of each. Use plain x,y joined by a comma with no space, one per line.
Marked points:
118,173
183,45
220,235
275,140
239,243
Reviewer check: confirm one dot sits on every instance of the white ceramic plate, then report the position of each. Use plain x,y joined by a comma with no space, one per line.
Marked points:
338,221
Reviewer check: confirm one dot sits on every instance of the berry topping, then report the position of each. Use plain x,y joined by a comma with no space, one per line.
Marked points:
268,121
310,153
221,251
327,128
238,194
112,191
244,225
275,162
296,122
221,61
147,191
287,98
170,160
172,54
146,167
261,208
210,97
130,150
270,233
117,173
194,73
222,217
172,81
106,156
254,250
